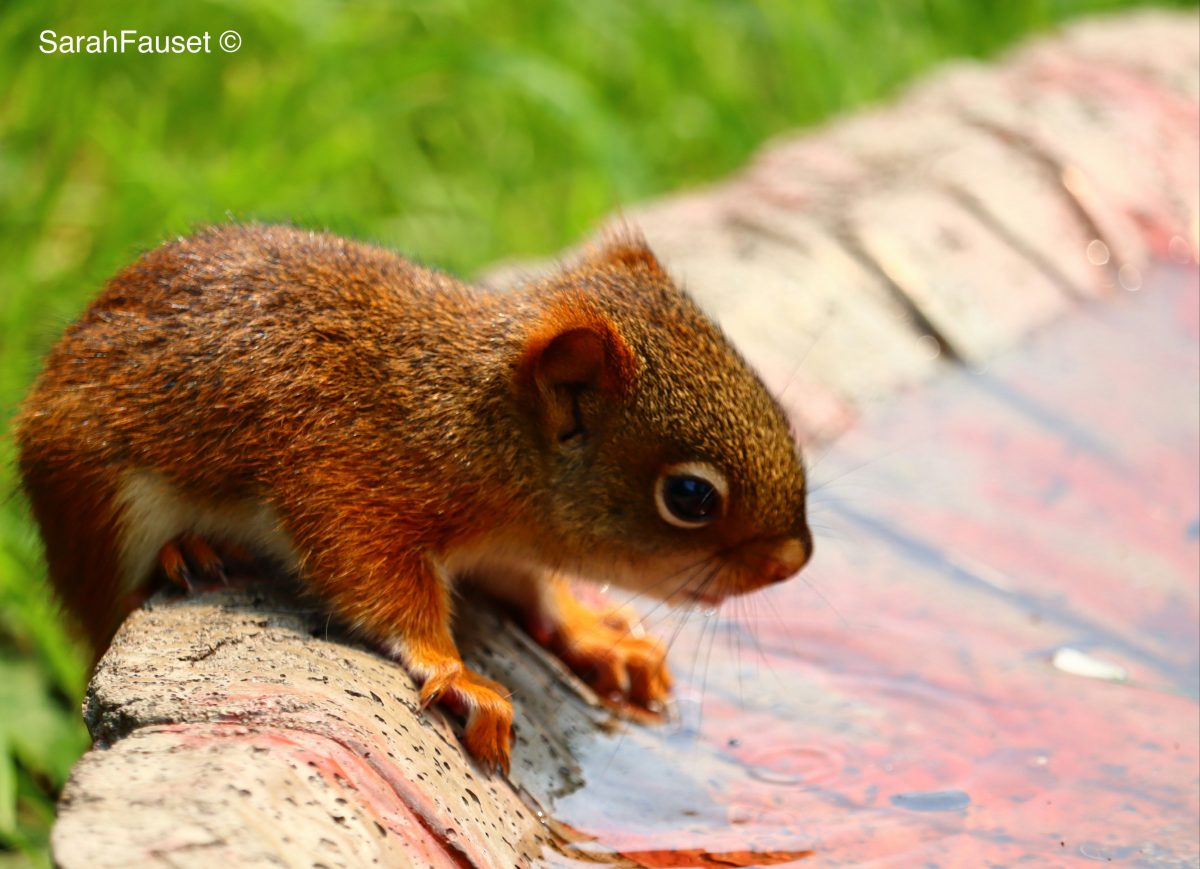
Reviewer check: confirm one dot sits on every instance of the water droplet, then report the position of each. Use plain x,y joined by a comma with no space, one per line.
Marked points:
1179,249
1097,252
930,346
806,765
1079,663
773,776
1130,278
932,801
605,587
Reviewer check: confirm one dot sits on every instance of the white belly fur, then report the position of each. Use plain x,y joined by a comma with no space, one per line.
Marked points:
153,512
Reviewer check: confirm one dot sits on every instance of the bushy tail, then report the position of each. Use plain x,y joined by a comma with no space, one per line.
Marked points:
76,508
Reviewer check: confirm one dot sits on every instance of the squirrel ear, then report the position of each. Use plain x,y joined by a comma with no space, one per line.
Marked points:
575,350
629,252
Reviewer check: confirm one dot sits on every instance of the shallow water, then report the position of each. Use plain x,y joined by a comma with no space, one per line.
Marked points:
995,655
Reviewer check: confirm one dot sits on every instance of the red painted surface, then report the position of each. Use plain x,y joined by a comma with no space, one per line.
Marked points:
899,704
395,804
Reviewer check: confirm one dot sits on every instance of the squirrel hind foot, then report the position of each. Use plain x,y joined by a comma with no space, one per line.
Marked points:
193,563
154,514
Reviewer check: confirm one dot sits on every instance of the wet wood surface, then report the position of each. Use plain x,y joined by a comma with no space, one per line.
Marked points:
980,307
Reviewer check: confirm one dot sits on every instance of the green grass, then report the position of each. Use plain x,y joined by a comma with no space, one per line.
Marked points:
458,131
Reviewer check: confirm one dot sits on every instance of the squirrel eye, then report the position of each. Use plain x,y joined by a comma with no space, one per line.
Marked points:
690,495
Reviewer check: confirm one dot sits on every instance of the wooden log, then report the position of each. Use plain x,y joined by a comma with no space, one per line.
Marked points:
242,727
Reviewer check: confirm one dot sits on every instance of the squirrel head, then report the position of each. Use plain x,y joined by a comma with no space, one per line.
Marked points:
664,464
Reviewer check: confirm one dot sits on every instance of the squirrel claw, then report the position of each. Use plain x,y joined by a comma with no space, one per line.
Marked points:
649,680
175,566
485,704
190,557
608,652
617,665
488,735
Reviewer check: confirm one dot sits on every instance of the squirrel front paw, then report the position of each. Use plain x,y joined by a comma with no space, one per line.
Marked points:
608,652
483,703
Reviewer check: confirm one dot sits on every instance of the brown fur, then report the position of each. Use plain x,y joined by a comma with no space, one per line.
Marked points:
391,416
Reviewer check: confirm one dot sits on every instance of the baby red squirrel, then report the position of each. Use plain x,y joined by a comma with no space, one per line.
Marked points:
385,431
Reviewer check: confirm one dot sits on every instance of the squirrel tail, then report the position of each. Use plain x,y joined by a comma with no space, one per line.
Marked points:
79,515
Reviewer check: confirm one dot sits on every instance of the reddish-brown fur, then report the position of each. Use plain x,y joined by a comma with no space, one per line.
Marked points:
393,418
77,515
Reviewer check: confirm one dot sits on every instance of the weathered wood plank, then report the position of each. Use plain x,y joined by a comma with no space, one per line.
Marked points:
232,706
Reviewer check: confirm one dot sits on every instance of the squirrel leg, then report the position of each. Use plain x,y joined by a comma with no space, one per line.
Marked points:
407,608
604,647
435,662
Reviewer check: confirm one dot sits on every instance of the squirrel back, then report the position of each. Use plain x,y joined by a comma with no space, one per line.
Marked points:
309,397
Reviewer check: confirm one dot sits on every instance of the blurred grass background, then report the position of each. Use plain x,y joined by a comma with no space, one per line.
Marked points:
456,131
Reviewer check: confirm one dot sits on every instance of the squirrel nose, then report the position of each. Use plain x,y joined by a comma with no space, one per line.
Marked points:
787,558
